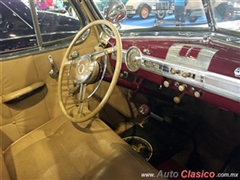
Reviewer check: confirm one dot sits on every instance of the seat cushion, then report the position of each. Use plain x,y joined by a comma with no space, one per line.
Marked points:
62,150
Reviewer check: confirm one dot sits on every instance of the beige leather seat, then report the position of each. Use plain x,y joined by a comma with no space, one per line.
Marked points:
64,151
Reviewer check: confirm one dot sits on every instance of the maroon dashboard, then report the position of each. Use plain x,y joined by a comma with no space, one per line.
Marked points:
209,70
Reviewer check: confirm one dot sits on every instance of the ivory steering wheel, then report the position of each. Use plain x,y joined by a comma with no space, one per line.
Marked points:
86,70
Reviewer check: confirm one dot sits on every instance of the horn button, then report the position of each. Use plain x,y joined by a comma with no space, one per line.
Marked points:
85,69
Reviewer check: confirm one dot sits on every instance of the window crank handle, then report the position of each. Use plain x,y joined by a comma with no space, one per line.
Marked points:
53,73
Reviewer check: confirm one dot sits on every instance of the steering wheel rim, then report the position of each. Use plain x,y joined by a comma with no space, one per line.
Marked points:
78,118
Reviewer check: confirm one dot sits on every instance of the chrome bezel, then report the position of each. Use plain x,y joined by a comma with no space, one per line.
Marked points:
128,61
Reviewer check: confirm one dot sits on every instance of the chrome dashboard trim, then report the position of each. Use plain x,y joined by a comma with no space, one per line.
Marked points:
222,85
218,84
162,38
201,62
214,37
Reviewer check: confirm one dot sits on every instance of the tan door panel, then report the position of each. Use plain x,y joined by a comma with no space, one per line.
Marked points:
21,117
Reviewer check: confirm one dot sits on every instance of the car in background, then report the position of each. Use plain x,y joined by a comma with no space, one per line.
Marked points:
16,22
236,8
144,8
223,10
139,7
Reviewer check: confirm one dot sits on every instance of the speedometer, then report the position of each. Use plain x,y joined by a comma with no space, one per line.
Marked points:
133,59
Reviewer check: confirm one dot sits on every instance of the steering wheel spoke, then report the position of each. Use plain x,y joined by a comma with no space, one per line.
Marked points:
103,52
82,92
67,63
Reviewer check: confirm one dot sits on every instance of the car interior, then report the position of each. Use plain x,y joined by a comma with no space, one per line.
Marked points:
112,104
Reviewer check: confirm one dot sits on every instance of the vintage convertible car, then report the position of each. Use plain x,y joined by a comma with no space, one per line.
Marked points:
17,29
121,98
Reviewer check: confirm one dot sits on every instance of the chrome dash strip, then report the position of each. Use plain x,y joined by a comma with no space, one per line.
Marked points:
218,84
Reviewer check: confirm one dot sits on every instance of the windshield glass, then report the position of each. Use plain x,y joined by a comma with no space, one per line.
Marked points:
168,13
177,13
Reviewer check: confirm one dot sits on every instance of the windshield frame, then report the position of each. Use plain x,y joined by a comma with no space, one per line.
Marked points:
212,19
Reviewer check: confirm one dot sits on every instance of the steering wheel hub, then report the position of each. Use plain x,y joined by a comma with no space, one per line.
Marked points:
86,70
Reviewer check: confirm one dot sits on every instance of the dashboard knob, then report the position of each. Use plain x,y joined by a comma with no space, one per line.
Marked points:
182,87
185,74
174,71
166,83
197,94
176,84
144,110
178,99
192,89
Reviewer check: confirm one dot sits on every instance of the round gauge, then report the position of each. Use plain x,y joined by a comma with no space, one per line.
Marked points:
133,58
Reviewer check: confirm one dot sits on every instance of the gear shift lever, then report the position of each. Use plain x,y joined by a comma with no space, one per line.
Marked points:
144,111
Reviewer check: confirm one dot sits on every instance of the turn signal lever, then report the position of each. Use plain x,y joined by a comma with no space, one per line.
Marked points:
53,73
144,111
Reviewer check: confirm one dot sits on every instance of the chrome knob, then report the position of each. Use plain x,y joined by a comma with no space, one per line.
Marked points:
185,74
166,83
182,87
177,99
198,94
146,51
174,71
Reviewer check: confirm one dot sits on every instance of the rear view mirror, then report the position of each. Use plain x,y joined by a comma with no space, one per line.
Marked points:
115,11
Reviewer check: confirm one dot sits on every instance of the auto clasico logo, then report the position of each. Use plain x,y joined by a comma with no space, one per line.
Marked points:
187,174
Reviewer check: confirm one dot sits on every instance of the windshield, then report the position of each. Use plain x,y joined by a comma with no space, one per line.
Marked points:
178,13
